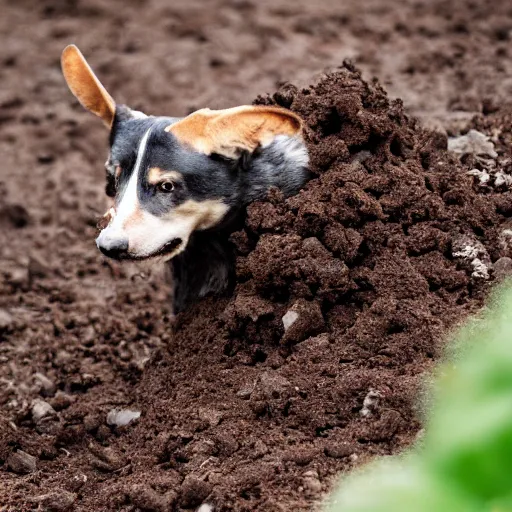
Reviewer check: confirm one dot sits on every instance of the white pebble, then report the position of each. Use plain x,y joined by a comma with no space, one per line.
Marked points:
289,319
41,410
122,417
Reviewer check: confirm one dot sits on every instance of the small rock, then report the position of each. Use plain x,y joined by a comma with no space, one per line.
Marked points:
41,410
302,320
502,179
289,318
370,403
22,462
245,393
474,142
205,507
58,501
193,492
473,255
482,176
503,268
122,417
6,321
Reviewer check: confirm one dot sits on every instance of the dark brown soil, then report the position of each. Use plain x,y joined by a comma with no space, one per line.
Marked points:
389,247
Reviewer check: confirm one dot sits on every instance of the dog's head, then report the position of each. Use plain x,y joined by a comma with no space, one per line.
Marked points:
169,177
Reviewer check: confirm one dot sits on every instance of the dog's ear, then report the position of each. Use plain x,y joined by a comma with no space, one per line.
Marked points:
86,87
236,130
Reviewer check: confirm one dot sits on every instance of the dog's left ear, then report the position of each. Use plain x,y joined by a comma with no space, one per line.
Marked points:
235,130
86,87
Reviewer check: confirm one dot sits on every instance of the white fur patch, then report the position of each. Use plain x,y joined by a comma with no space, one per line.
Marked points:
293,149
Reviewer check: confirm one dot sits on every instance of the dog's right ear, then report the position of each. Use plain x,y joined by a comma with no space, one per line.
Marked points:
86,87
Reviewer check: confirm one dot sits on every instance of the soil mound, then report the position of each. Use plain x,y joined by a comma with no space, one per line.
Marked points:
343,295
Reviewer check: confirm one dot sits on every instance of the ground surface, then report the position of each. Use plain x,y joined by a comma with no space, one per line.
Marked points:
234,411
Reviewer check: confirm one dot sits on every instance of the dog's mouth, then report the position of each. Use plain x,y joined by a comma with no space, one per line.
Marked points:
168,249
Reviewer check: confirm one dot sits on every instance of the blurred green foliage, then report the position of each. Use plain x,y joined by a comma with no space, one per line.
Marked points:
464,462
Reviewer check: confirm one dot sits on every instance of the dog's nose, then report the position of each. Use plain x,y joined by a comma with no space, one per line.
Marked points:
113,247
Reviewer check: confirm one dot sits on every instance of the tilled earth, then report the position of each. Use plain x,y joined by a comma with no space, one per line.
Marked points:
397,239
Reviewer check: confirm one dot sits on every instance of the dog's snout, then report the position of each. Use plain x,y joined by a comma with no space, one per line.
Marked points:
113,247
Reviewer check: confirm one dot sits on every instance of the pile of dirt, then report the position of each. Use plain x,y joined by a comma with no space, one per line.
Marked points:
312,366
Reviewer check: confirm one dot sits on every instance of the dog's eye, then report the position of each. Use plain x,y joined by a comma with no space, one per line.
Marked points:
166,186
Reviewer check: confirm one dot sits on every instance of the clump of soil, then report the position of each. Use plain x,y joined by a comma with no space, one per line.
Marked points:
257,401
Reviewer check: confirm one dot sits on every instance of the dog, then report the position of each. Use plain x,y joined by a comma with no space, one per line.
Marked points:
181,185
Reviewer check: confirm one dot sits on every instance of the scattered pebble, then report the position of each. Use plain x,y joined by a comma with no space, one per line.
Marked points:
205,507
501,179
474,142
472,252
483,176
289,318
21,462
302,320
41,410
370,403
122,417
245,393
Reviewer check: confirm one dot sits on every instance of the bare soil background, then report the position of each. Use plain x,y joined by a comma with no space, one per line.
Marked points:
372,256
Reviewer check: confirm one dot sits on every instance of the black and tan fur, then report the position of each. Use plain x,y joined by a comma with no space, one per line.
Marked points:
180,185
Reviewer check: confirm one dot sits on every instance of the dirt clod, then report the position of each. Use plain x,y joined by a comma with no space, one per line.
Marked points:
22,462
57,501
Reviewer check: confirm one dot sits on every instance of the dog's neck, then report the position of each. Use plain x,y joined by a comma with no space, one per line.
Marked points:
207,266
282,164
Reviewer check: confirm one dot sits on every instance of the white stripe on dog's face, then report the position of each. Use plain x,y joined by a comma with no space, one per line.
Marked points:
129,204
